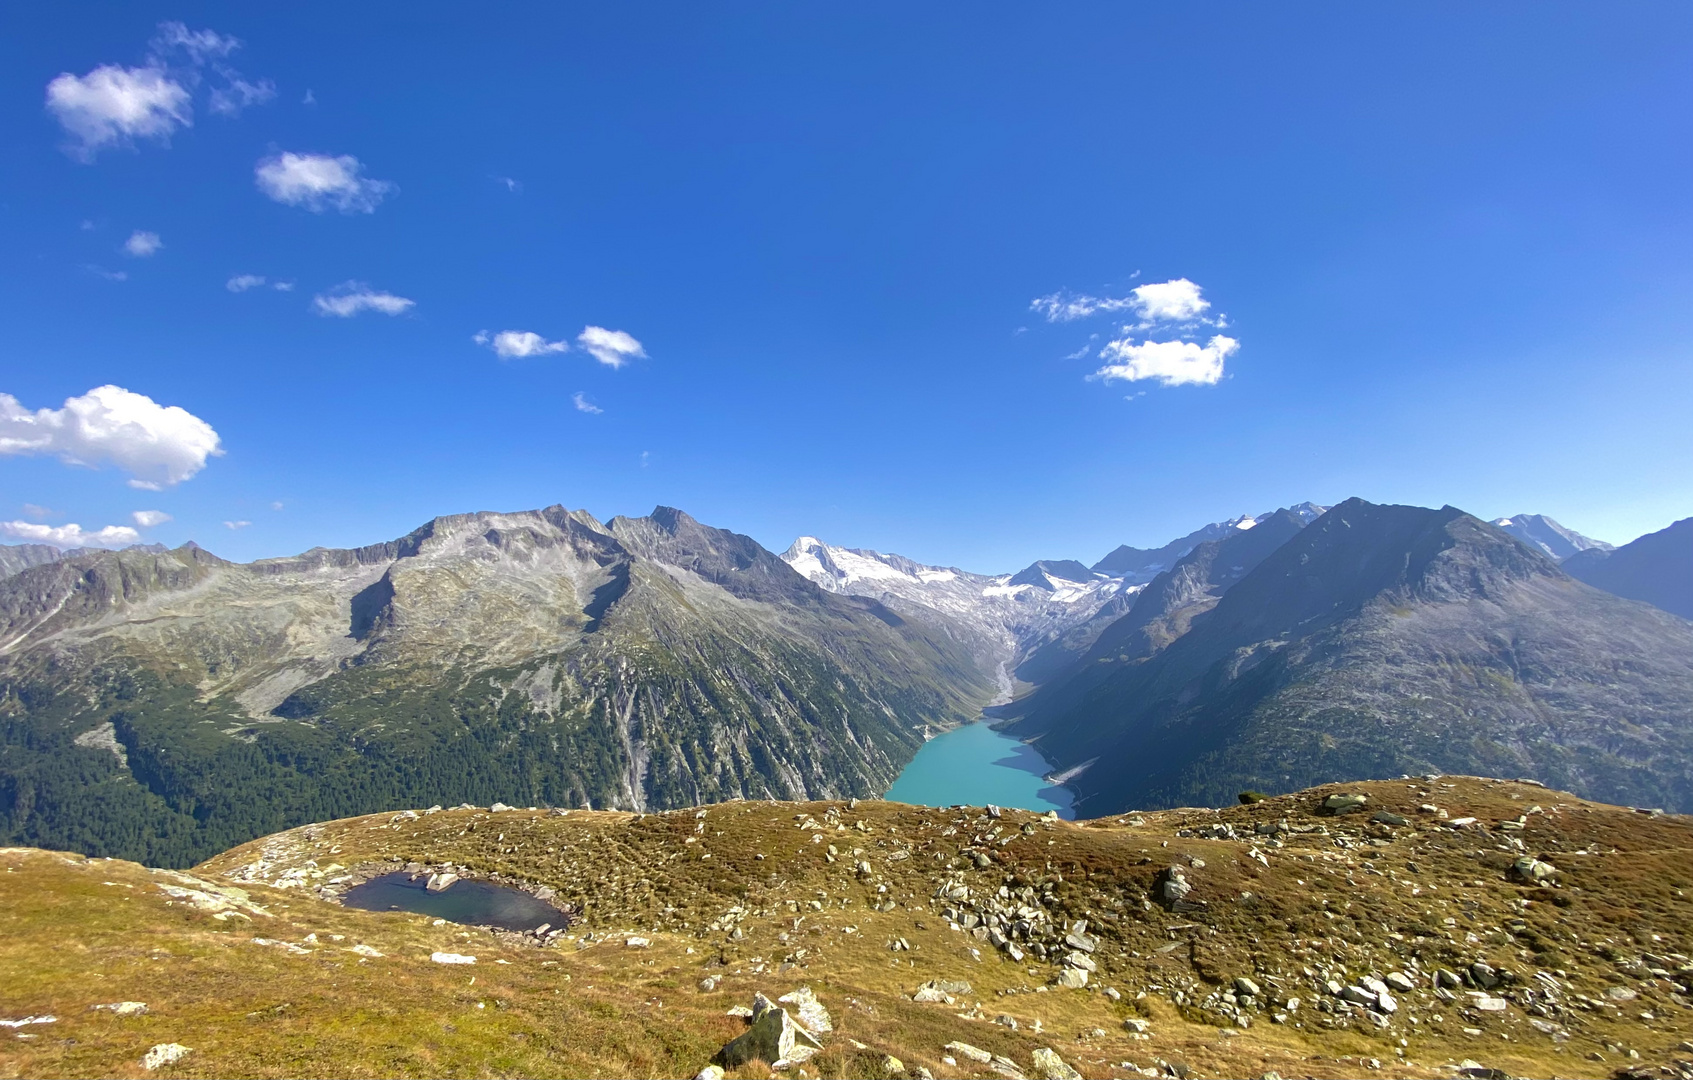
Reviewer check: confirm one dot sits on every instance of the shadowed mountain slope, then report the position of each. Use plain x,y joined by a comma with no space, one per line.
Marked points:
1377,641
1657,568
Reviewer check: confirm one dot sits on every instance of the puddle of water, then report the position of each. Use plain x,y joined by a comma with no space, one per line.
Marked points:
974,765
473,903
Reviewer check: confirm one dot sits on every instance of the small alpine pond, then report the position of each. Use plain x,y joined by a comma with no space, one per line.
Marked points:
473,903
974,765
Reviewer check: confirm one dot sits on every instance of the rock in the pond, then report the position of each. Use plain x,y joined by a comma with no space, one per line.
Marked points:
812,1015
164,1054
1049,1066
439,882
1344,804
124,1008
451,958
773,1036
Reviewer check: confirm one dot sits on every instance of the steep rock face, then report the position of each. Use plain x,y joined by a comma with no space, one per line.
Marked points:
16,557
1134,626
1383,640
1143,564
1657,568
1547,536
538,656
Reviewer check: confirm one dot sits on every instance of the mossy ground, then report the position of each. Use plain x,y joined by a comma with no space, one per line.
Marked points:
76,932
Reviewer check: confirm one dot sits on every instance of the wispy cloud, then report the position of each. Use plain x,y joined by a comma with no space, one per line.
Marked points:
1172,363
142,244
158,445
580,400
513,186
114,105
71,536
319,182
512,344
1179,300
109,275
39,513
351,297
236,524
613,348
149,518
243,282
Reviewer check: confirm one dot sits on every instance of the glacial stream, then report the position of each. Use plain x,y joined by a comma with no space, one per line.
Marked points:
974,765
473,903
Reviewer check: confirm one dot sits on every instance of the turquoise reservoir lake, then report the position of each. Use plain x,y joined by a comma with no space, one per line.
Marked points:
975,764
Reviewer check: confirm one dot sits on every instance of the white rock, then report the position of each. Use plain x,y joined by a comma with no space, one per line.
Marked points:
124,1008
163,1054
637,943
366,950
451,958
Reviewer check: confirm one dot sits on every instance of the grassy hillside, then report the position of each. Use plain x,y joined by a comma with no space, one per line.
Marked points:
1586,966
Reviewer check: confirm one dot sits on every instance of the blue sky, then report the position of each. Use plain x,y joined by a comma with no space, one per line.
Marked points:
1444,253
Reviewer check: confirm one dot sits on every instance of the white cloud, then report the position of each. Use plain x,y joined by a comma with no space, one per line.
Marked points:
149,518
39,512
1179,300
276,505
71,536
510,344
142,244
243,282
613,348
236,524
319,182
157,445
283,286
351,297
1172,363
580,400
114,105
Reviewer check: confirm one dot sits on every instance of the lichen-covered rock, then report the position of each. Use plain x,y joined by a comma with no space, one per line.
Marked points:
1049,1066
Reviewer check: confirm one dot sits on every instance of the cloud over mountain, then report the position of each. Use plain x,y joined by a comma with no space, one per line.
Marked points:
71,536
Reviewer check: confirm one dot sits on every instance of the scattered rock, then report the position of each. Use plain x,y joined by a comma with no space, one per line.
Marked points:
1532,870
812,1015
1243,985
451,958
1072,978
710,1072
1049,1066
1344,804
1399,981
773,1036
124,1008
499,808
965,1050
1621,993
637,943
709,983
366,951
1137,1025
892,1066
163,1054
1388,817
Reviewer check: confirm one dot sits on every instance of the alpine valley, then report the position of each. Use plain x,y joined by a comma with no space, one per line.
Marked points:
165,705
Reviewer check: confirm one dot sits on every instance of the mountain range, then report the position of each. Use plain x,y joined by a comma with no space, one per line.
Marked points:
162,705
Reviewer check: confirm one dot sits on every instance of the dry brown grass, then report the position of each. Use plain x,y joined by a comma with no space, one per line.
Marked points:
68,941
